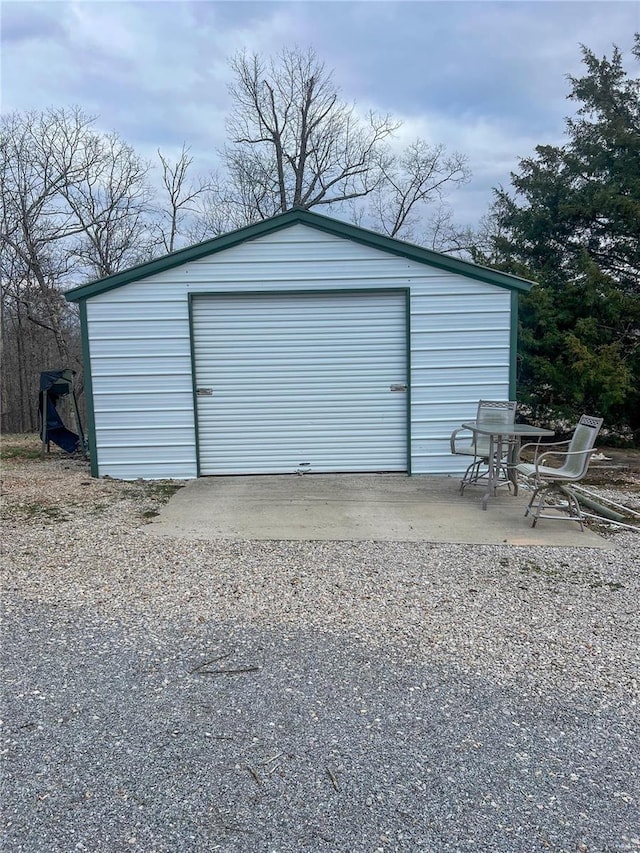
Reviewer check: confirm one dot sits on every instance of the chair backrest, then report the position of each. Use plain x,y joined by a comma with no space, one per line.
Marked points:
496,412
582,441
491,412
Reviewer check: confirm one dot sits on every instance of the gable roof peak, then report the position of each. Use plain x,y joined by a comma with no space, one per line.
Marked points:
311,219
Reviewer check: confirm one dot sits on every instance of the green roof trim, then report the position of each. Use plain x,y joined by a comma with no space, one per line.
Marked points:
313,220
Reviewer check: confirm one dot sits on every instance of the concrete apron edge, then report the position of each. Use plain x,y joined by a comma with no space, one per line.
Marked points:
358,508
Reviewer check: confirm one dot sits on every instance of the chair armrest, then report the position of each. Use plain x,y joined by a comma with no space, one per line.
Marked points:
546,444
544,447
453,437
564,455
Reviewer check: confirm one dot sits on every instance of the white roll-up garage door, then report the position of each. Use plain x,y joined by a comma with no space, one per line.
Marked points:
301,382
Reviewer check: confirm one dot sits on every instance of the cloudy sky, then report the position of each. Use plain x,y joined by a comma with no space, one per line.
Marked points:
487,79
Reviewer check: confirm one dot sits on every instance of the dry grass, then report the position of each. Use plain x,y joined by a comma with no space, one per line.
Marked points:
60,487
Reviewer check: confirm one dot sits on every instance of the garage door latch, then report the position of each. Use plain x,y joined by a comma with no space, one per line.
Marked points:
398,386
204,392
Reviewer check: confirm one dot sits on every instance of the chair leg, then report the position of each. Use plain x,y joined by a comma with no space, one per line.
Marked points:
530,504
536,508
574,507
474,474
503,475
542,498
470,475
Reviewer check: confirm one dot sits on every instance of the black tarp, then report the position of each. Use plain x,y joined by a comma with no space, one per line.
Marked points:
55,384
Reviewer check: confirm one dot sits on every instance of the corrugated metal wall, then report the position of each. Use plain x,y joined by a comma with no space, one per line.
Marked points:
140,345
301,382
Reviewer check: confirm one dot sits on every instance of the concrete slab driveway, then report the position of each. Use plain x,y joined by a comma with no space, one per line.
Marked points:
352,507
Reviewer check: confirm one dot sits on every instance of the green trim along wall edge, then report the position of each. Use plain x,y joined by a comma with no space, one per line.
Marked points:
513,347
192,349
409,377
313,220
88,389
216,293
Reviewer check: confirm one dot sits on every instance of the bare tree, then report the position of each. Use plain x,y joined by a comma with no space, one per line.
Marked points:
482,244
294,141
218,212
71,207
186,200
41,156
76,203
111,202
412,182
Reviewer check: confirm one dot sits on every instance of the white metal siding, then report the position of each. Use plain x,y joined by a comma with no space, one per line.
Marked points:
140,351
301,382
142,386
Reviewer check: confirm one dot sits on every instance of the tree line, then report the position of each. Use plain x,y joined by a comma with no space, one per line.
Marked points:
79,204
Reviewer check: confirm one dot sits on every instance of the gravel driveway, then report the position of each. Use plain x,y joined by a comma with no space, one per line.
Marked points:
183,695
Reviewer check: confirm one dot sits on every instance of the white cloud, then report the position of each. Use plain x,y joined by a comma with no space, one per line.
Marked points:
486,78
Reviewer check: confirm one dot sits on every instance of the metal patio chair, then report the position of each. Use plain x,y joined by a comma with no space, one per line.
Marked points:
490,412
551,486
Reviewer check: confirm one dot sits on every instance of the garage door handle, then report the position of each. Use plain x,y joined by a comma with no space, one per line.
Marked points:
204,392
398,386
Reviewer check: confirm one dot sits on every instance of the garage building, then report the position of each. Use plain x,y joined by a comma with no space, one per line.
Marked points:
299,344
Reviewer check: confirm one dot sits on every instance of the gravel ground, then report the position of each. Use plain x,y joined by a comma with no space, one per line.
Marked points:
181,695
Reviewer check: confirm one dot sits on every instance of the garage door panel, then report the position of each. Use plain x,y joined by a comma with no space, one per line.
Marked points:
313,412
295,380
274,394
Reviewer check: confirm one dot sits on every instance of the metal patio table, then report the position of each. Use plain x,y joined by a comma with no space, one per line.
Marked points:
498,434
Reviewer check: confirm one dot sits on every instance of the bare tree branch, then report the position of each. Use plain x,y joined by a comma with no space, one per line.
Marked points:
294,139
417,179
184,197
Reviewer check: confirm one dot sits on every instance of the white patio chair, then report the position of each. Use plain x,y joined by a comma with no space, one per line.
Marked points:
490,412
549,484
